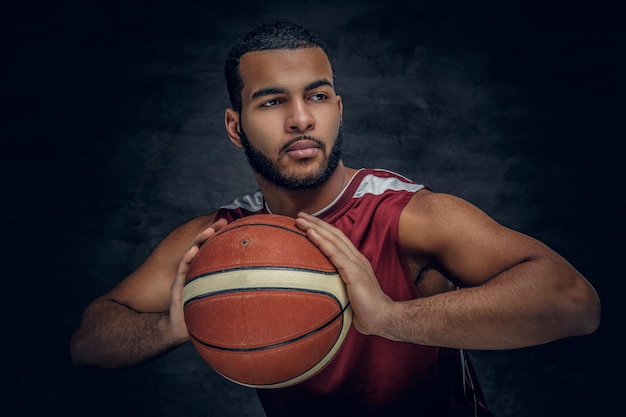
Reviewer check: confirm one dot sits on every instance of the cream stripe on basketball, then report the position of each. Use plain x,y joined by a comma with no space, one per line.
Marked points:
255,277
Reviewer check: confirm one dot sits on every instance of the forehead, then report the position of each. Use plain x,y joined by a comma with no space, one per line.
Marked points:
283,68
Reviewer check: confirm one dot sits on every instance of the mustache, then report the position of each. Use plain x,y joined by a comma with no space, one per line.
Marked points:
304,137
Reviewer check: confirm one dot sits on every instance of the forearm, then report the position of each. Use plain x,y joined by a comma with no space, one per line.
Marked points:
462,320
112,335
521,307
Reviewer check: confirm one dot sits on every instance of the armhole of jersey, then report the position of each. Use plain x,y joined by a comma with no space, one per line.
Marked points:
396,237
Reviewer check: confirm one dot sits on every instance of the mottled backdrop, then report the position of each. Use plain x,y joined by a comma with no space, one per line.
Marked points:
115,135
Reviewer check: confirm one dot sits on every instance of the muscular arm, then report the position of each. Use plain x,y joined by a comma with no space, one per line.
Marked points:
141,318
515,291
113,335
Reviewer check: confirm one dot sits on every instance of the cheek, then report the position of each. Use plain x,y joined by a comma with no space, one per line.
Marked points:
332,121
260,135
261,125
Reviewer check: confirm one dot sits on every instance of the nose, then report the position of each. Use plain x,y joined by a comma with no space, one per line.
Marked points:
300,118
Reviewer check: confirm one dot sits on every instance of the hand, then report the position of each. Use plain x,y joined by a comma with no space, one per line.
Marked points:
369,303
177,319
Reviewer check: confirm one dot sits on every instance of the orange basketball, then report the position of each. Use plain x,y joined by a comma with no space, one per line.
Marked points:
263,305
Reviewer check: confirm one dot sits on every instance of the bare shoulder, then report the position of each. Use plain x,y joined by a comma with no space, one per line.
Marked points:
430,203
148,287
438,215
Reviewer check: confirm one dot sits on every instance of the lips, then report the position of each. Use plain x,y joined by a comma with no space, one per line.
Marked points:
303,148
302,144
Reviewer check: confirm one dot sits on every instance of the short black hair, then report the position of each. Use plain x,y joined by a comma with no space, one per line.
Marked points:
274,35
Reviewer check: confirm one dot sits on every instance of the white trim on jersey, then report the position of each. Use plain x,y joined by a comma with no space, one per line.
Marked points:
250,202
370,184
373,184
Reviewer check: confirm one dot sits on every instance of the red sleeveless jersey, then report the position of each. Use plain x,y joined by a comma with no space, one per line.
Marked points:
371,375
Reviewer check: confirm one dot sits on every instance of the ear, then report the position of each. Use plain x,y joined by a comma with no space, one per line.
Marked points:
340,106
231,120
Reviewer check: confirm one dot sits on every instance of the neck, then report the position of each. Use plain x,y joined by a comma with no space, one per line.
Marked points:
310,200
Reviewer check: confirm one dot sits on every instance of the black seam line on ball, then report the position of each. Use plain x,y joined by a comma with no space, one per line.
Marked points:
297,232
253,289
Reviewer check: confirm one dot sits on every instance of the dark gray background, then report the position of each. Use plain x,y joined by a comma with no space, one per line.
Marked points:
115,135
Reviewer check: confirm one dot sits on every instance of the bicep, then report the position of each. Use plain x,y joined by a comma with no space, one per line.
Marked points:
461,241
147,289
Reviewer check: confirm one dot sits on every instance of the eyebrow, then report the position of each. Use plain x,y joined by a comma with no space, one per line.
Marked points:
278,90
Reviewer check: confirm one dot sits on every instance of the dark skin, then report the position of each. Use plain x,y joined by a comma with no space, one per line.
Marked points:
515,291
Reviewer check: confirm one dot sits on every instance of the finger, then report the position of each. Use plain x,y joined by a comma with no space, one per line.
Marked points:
327,233
208,232
193,250
347,259
325,230
177,321
183,266
219,224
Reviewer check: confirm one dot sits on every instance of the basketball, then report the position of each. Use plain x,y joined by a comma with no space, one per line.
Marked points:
264,307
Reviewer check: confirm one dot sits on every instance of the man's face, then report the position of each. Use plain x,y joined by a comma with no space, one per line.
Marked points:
290,123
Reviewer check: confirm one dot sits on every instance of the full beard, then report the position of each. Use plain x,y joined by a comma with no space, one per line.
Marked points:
272,172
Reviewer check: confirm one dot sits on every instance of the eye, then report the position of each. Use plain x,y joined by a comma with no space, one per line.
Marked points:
318,97
270,103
